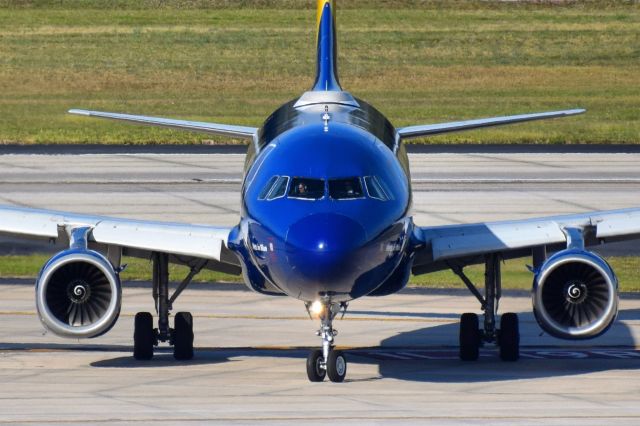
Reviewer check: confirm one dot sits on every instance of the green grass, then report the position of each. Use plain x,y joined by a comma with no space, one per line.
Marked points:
515,274
234,62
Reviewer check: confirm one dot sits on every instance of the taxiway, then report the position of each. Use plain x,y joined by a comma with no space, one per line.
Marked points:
251,349
250,358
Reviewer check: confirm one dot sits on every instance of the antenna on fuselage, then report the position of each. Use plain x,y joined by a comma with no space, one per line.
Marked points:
326,117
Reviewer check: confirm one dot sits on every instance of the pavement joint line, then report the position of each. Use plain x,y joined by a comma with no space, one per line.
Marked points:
324,418
122,181
434,320
277,318
435,149
239,180
527,180
356,350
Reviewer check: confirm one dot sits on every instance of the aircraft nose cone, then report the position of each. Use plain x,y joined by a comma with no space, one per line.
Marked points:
324,249
325,233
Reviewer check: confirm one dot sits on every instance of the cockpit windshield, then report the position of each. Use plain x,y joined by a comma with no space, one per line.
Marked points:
276,187
351,188
345,189
376,189
306,188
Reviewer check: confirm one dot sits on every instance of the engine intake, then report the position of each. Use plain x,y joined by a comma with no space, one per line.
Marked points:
78,294
575,295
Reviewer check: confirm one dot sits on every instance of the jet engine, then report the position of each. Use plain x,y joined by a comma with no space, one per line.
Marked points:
575,295
78,294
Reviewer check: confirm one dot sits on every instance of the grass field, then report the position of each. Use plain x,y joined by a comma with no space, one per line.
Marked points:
234,62
515,273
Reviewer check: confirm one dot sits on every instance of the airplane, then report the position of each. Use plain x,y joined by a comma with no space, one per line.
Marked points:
326,219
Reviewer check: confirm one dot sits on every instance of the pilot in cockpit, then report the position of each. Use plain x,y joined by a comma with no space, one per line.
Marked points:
348,189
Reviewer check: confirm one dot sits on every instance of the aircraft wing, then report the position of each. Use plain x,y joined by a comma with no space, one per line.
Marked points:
440,246
196,126
137,238
411,132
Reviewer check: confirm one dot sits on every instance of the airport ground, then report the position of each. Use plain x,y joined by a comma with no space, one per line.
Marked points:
249,367
251,349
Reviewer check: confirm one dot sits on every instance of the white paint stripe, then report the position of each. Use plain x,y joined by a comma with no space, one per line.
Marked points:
392,355
421,356
528,355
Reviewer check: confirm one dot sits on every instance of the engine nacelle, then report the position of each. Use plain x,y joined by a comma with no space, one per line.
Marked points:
78,294
575,295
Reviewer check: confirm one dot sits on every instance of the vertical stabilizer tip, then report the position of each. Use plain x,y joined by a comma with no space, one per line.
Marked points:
327,66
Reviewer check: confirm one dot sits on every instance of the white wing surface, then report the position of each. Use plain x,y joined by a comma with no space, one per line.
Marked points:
198,241
411,132
242,132
465,243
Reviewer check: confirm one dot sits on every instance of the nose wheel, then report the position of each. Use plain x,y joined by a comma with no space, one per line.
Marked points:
327,361
316,370
336,366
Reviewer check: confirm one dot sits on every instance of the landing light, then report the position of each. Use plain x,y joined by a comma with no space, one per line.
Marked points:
317,308
321,245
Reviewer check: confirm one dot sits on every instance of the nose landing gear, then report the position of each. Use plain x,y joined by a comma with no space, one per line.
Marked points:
327,361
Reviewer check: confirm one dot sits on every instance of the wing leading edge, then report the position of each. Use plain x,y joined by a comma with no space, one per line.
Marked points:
412,132
441,244
198,241
241,132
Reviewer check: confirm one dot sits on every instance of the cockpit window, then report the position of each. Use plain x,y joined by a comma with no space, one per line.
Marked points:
279,188
268,186
275,187
314,189
306,188
375,189
344,189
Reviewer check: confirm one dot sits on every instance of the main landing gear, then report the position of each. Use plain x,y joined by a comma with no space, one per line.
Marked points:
145,336
327,361
507,337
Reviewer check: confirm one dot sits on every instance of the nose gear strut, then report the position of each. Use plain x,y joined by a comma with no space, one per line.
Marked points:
328,360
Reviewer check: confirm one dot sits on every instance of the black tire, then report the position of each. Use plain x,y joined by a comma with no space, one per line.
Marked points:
509,337
144,338
336,366
315,372
469,337
183,336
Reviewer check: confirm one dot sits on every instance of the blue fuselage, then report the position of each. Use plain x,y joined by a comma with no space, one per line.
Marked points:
350,237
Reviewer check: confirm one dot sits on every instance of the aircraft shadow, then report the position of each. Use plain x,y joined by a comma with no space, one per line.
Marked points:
163,357
406,314
429,363
552,358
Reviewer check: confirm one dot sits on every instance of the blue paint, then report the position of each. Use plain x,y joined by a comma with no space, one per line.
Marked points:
327,66
325,247
344,248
